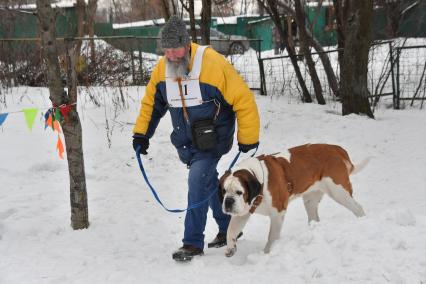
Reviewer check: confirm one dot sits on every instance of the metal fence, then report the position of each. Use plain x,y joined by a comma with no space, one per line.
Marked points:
281,78
117,61
410,76
21,62
396,75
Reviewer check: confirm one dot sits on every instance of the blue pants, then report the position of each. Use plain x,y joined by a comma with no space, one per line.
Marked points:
202,180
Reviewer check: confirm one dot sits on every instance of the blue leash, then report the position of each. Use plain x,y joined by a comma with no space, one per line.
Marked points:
191,206
235,160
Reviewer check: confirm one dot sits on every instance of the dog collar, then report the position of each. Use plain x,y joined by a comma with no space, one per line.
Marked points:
256,202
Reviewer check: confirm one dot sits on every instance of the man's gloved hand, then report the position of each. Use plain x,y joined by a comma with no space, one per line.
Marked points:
247,147
142,141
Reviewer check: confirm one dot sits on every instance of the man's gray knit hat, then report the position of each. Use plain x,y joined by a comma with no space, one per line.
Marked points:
174,33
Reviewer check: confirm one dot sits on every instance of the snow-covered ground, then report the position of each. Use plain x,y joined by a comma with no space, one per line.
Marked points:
131,238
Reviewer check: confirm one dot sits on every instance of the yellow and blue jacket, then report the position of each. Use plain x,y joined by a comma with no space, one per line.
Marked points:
219,81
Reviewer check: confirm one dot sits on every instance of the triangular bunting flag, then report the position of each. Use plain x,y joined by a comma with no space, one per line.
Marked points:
48,121
2,118
58,115
30,114
65,110
60,148
57,126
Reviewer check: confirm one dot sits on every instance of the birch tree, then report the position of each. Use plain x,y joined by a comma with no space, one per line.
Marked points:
71,127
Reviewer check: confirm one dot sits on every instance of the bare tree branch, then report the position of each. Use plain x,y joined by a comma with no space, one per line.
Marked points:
331,77
304,44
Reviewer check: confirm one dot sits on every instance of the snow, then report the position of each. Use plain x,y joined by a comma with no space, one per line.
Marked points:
160,21
60,4
227,20
131,238
155,22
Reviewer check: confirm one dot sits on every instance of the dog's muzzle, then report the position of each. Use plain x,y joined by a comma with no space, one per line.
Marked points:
229,203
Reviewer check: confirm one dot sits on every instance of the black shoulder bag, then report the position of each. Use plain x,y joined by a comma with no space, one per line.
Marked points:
204,135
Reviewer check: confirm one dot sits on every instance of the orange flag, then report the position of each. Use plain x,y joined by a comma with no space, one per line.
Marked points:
57,126
48,121
60,148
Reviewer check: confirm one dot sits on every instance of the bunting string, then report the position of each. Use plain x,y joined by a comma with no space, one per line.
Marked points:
53,118
63,106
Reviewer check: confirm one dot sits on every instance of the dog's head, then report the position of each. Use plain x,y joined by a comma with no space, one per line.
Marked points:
237,190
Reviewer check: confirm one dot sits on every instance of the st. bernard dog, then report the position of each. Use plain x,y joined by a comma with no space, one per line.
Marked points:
267,183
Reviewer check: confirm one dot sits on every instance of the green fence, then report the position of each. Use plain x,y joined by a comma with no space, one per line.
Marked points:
262,29
324,27
24,23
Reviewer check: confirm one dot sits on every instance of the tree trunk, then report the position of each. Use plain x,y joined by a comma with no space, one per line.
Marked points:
192,21
91,13
341,11
304,44
355,60
273,12
328,69
290,40
81,15
71,127
174,8
189,7
260,8
206,16
166,10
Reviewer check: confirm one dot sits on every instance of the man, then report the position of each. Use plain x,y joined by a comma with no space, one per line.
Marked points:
204,95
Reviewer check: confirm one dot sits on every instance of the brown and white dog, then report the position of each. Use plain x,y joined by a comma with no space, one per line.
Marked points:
267,183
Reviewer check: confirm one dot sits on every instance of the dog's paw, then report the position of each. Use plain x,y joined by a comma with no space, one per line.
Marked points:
230,251
267,248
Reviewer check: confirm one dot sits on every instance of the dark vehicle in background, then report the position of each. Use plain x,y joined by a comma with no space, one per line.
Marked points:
222,43
227,44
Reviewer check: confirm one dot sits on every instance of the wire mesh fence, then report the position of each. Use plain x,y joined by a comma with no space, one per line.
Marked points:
396,73
116,61
411,79
380,78
280,77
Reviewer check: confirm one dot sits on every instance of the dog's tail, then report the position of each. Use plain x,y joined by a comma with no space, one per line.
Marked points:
357,168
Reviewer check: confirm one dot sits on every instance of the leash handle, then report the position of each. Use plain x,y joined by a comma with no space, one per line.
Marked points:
192,206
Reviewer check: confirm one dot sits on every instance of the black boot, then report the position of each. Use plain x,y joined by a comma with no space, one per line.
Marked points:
220,240
186,253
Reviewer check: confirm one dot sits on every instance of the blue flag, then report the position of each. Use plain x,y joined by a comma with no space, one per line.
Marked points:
2,118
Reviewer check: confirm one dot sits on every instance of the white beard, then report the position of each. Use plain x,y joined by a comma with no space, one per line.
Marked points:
178,69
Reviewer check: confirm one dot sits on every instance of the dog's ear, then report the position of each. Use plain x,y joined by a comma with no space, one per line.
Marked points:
220,193
254,188
221,189
250,182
